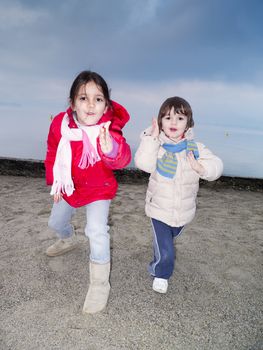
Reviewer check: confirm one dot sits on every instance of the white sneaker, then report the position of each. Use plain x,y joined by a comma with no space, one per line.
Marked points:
62,246
160,285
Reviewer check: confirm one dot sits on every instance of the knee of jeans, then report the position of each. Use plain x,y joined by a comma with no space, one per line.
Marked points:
94,230
54,224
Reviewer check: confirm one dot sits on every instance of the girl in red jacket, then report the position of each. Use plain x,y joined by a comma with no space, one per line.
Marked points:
84,145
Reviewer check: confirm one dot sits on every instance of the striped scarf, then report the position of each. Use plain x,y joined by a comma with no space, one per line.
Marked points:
167,165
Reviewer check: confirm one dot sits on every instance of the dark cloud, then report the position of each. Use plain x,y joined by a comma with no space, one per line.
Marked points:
148,40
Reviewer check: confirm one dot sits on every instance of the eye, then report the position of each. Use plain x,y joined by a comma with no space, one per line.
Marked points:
99,99
182,117
82,98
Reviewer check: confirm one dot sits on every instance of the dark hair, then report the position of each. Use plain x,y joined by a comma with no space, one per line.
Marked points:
180,105
85,77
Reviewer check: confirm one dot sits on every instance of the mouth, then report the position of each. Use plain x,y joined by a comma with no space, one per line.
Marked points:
173,129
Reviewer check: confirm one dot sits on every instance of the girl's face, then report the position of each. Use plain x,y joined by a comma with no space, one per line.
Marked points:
174,125
89,104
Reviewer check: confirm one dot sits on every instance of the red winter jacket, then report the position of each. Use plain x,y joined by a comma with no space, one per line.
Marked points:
95,182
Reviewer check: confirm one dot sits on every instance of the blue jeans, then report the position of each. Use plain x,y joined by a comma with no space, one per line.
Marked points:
162,265
96,227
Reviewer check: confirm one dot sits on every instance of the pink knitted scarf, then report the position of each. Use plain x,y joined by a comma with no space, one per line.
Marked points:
62,167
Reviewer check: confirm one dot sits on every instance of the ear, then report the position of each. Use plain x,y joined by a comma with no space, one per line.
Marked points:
72,105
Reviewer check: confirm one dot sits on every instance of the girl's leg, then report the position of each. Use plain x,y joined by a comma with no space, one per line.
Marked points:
60,219
60,222
97,231
163,263
99,267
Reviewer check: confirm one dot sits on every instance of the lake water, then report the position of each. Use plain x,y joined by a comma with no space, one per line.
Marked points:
241,150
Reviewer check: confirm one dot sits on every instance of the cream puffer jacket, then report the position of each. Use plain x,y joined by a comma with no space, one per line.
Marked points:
173,201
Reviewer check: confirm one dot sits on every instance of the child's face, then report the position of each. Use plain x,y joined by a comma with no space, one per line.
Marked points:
89,104
174,125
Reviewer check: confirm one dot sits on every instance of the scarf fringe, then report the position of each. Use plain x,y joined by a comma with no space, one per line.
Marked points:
59,187
89,155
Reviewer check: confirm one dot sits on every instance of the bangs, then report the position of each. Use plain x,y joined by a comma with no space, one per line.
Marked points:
180,110
165,111
177,109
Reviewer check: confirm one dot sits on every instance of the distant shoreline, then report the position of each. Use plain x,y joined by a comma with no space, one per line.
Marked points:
35,168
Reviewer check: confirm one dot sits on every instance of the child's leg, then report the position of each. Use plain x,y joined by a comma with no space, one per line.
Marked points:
163,263
60,222
177,231
97,231
60,219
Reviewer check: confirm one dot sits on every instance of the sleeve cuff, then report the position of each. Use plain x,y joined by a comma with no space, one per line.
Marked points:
115,148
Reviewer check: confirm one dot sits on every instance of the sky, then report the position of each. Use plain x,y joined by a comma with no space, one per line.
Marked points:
207,51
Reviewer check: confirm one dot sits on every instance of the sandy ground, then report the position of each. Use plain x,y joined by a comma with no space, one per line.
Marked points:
214,299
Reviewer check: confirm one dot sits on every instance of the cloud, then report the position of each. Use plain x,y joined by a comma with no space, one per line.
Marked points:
150,40
14,15
142,12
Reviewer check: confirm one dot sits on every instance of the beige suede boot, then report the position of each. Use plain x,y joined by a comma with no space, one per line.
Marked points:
99,289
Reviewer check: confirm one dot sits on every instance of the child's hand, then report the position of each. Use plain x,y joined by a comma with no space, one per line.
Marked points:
155,128
57,197
195,165
105,138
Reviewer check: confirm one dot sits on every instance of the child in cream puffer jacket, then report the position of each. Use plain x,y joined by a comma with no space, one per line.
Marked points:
176,163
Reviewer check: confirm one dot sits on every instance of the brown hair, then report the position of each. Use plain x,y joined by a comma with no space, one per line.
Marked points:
180,105
85,77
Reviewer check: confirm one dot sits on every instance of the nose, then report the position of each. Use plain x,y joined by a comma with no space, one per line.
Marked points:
174,121
91,103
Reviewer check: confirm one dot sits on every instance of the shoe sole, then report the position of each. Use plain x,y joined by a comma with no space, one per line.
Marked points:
61,252
160,291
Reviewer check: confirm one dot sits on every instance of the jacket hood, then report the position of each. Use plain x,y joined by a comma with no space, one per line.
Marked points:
118,116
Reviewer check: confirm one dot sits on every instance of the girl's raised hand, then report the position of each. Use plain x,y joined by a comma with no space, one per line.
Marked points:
155,128
105,138
195,165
